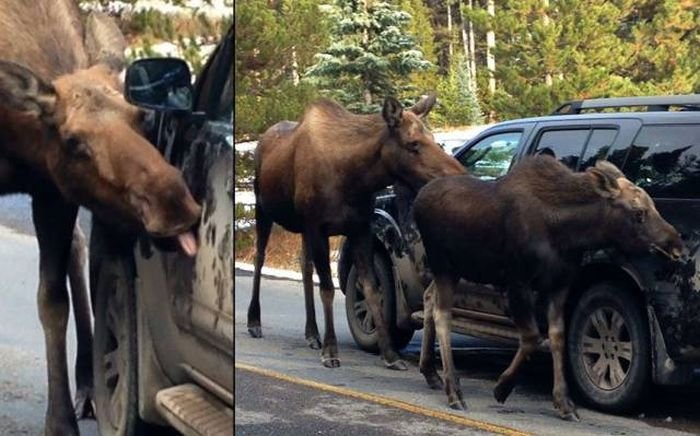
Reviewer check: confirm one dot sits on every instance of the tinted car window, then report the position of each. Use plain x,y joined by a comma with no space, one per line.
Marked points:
598,146
490,158
664,161
565,145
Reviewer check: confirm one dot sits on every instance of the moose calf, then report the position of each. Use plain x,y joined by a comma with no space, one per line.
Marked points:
523,232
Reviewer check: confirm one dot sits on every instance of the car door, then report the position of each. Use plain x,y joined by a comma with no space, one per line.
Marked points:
200,290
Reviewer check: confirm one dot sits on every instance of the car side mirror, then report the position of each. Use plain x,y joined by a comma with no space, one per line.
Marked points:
162,84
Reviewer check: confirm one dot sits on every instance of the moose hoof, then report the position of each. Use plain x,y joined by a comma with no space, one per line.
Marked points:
567,410
434,381
458,404
503,390
571,415
84,407
330,362
255,331
398,365
314,342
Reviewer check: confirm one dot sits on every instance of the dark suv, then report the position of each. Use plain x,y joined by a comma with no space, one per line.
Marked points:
163,344
630,321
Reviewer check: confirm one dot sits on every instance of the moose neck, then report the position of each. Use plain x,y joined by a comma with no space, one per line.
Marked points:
369,173
24,139
578,219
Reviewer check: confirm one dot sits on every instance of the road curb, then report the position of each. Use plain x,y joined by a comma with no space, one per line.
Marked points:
278,273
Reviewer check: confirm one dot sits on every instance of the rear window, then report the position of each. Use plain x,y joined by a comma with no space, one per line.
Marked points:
664,161
577,148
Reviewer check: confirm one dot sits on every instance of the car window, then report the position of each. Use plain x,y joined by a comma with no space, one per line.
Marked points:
597,147
565,145
664,160
490,158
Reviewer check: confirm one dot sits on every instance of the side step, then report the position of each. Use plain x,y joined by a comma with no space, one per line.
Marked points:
194,412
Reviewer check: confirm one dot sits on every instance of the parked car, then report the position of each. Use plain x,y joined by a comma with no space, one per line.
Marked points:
163,341
631,322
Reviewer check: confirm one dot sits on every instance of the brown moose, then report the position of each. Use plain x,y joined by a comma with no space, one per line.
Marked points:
317,177
527,231
68,138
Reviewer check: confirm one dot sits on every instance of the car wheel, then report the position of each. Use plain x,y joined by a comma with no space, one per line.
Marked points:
360,319
609,352
115,352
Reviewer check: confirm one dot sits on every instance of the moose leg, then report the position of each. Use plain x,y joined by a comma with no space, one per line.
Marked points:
427,349
521,306
320,253
443,320
555,318
263,227
307,271
361,245
54,222
83,325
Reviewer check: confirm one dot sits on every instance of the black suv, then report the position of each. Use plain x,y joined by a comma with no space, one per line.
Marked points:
630,321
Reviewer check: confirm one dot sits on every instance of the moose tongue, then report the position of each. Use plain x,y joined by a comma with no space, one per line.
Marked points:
188,243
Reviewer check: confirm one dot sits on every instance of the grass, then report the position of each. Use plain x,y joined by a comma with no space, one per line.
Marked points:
283,248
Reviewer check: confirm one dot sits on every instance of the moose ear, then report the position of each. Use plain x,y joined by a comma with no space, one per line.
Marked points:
392,112
424,105
104,42
22,90
609,169
604,184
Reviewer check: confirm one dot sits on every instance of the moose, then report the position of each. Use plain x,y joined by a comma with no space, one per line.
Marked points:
524,232
317,177
69,138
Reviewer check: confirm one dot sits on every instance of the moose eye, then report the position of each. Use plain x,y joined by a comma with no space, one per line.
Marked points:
413,146
75,147
640,215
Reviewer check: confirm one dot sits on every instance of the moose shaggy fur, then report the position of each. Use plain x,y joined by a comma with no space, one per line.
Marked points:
527,231
68,138
318,177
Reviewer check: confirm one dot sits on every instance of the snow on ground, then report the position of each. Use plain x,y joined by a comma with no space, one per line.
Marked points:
217,8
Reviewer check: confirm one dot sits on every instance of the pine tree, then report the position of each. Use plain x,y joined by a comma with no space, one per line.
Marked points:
459,104
371,54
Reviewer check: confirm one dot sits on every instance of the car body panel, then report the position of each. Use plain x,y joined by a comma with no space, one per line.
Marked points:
671,290
187,303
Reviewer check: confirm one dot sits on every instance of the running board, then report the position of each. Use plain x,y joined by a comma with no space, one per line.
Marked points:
194,412
475,327
483,329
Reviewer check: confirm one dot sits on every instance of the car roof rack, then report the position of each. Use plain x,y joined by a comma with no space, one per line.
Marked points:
660,103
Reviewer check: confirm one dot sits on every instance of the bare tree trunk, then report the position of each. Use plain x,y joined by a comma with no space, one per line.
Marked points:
472,49
545,19
449,28
490,45
295,67
366,93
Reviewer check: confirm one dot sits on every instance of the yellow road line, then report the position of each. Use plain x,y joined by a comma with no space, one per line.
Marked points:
385,401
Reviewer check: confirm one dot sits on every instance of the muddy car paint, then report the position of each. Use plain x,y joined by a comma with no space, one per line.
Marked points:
671,290
184,305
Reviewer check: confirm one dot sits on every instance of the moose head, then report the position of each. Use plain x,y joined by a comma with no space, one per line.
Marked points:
634,223
80,132
410,151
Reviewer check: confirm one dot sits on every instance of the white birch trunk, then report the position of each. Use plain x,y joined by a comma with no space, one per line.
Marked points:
490,45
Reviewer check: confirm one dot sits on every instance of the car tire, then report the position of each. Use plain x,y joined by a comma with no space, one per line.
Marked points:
609,351
359,317
115,359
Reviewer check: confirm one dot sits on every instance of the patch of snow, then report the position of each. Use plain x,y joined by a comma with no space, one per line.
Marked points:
245,147
217,8
244,197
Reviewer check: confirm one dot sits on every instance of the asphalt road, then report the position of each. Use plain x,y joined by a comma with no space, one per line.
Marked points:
281,387
23,382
